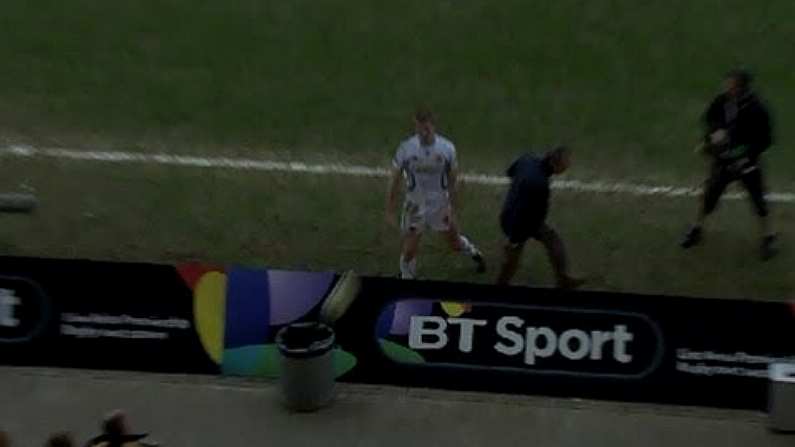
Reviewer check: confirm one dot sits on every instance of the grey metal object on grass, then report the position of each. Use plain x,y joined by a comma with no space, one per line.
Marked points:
17,202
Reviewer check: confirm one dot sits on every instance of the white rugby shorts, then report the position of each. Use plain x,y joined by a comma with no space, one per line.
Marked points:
435,215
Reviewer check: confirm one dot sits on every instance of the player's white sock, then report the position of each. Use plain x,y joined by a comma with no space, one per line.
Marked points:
467,247
408,270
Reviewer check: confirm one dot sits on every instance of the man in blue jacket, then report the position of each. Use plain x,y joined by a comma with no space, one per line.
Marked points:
525,211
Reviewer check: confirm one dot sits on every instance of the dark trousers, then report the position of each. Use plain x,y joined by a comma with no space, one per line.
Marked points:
721,177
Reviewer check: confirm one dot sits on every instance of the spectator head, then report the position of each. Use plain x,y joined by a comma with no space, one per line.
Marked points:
60,440
559,159
115,424
4,439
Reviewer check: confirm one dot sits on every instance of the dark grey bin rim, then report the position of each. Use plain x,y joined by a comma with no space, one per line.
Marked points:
316,348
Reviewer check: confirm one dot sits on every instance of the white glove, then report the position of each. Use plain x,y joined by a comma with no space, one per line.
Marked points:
719,137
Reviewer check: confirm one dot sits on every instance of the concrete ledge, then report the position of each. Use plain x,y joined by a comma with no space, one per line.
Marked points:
182,410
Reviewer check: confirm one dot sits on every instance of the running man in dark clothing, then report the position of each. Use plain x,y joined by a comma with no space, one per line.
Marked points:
525,211
739,130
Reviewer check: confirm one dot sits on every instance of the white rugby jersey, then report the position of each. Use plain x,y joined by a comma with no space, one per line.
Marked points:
426,169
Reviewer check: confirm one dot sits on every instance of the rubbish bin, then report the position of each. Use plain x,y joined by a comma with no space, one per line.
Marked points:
781,404
307,356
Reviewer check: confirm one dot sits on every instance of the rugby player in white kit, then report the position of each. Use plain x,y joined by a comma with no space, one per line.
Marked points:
427,162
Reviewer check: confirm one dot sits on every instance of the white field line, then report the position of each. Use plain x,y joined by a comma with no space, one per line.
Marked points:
599,187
